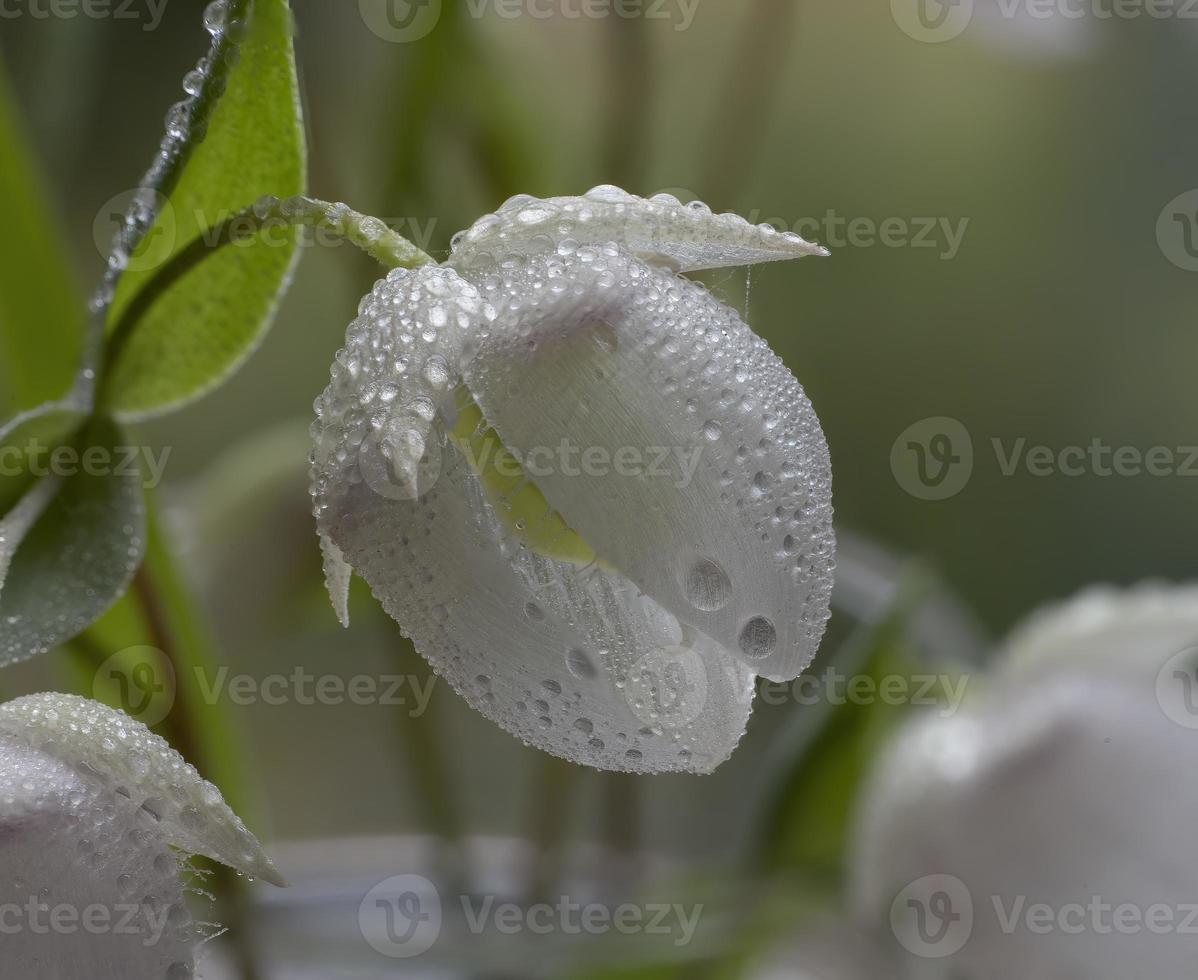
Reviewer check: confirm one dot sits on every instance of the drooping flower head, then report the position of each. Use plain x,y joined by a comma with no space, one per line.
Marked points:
593,497
97,816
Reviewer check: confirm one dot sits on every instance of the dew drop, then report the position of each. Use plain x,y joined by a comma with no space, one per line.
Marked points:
216,16
758,638
579,663
707,585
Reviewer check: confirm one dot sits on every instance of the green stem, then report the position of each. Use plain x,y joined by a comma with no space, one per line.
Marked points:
158,184
201,731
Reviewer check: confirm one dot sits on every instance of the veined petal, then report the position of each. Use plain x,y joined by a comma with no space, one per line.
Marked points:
671,439
659,230
129,760
574,661
571,658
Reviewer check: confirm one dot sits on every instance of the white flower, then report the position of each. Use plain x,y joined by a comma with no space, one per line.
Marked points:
1055,813
96,817
595,500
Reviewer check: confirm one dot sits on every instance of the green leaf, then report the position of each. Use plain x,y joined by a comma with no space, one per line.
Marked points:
177,326
80,553
41,308
25,443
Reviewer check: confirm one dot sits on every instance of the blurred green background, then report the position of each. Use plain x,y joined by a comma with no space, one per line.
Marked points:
1060,316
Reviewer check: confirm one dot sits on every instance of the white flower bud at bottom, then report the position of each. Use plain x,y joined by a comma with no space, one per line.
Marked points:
97,816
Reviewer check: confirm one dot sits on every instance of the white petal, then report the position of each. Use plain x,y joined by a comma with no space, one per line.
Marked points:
127,759
1138,628
572,659
660,230
337,575
400,361
1053,786
71,843
710,485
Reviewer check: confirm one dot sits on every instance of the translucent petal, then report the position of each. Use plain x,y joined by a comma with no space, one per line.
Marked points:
660,230
127,759
671,439
574,661
73,844
569,657
400,360
337,574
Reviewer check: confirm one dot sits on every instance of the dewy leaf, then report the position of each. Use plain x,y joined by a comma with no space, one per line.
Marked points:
661,231
25,442
17,522
170,345
78,557
41,309
97,816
